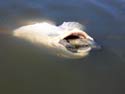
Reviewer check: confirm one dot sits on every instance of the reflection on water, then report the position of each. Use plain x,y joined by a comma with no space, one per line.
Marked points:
24,69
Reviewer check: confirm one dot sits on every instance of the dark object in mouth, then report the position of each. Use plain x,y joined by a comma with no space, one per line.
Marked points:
74,43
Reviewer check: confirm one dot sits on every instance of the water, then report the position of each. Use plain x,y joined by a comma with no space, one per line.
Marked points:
24,69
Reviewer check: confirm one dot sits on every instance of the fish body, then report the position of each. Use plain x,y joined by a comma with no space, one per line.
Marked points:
67,40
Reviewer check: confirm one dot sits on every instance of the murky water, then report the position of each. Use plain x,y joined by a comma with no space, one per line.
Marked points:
24,69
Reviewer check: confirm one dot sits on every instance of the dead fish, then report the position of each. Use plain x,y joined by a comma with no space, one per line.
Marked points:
67,40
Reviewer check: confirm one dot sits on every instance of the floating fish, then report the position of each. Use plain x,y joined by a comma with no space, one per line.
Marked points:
67,40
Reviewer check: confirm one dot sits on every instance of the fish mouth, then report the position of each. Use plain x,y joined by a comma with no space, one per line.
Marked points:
76,43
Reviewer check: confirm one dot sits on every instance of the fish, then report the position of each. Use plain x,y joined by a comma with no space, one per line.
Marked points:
67,40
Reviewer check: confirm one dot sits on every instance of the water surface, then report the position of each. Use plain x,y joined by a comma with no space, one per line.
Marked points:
24,69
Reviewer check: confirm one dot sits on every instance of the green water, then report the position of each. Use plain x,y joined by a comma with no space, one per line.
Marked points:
24,69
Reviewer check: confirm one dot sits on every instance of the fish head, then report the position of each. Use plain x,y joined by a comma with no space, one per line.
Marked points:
74,44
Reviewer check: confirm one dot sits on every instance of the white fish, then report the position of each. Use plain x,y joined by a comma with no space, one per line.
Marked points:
60,40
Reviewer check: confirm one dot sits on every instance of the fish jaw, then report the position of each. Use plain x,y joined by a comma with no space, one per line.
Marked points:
62,51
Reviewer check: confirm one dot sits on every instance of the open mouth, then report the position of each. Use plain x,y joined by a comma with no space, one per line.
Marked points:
75,42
